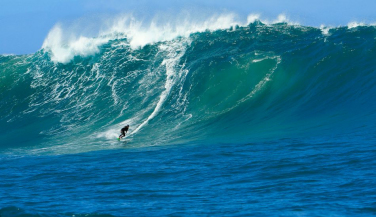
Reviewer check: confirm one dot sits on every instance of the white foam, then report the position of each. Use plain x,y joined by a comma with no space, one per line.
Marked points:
7,54
252,18
63,44
63,49
140,34
259,60
325,29
352,25
114,131
282,18
110,134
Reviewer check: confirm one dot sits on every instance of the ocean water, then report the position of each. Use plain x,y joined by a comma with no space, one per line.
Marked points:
244,120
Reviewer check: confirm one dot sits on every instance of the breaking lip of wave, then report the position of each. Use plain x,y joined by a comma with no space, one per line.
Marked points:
64,45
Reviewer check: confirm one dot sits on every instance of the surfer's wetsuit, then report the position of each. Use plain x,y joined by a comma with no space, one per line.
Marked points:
123,131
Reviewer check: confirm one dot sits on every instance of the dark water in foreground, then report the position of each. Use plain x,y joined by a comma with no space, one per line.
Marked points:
276,178
274,120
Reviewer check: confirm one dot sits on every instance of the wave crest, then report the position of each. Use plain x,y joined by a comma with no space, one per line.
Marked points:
64,44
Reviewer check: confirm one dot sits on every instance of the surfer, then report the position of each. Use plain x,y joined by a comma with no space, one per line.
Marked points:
123,131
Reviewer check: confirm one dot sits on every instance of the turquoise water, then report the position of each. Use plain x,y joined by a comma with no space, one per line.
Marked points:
260,120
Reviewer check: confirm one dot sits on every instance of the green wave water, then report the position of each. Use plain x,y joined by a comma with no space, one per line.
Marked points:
242,84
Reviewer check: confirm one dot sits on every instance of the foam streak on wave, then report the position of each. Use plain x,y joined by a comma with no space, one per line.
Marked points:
175,51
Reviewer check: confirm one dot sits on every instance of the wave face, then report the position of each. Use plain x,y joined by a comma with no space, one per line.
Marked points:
236,85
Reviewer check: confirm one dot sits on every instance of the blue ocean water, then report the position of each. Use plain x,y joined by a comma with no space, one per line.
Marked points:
254,120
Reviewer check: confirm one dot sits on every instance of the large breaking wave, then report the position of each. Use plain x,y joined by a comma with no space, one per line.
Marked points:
220,81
